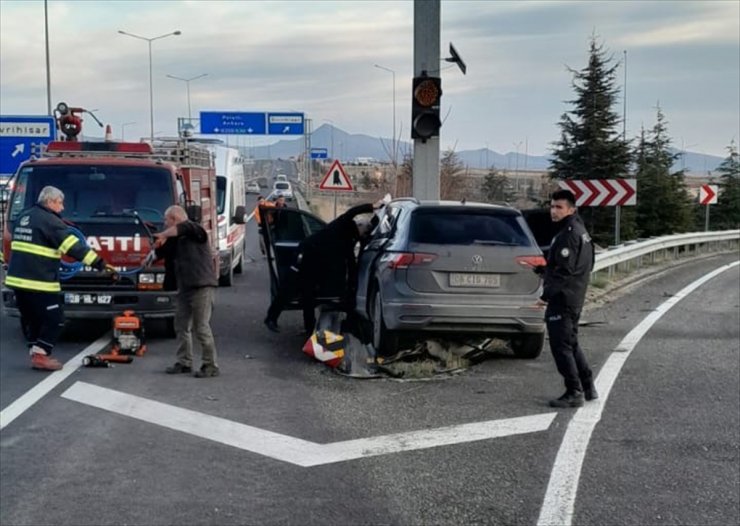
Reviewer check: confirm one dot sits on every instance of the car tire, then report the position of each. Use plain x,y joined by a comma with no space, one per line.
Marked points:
384,340
528,346
227,280
169,328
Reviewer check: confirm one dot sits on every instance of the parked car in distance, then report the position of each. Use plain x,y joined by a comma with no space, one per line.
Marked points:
436,268
284,188
253,188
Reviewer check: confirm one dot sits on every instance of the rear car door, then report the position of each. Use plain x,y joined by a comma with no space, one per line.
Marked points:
283,229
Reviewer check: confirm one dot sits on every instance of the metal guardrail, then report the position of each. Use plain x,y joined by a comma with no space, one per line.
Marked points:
638,253
624,257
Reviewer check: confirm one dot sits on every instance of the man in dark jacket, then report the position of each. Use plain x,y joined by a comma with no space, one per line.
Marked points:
569,265
326,264
40,238
185,243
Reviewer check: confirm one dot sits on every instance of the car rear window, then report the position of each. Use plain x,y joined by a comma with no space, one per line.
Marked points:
440,227
282,186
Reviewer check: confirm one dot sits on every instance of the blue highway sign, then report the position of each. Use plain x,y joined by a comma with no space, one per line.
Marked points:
285,124
232,123
319,153
18,133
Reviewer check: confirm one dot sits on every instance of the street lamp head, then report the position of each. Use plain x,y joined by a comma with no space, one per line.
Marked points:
178,32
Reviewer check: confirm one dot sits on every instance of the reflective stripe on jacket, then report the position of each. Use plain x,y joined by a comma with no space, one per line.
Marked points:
39,239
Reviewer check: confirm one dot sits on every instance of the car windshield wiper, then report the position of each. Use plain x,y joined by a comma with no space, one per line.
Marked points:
494,243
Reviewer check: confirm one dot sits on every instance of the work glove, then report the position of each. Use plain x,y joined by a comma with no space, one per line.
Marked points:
150,258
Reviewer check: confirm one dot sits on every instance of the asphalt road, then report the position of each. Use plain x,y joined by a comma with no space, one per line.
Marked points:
666,450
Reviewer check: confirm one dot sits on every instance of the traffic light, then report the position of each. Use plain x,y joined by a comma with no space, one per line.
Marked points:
427,92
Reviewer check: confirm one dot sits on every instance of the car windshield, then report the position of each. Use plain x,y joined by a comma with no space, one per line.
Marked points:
440,227
282,186
97,193
220,194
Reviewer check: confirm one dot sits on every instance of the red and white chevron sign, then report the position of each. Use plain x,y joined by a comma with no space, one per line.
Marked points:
708,194
602,192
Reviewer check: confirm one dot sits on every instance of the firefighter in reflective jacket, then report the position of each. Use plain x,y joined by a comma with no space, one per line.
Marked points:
40,238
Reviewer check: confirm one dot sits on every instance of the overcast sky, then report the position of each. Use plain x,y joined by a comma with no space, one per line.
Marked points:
317,58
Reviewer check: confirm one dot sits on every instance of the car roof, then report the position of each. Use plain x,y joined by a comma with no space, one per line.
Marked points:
461,205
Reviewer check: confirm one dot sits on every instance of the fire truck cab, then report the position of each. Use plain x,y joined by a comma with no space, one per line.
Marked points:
115,197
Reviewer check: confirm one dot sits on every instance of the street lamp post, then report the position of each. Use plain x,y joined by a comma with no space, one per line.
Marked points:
187,84
151,86
393,150
123,127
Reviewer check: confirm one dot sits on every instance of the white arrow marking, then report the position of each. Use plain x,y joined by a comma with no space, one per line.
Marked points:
601,192
286,129
250,130
295,450
621,192
19,148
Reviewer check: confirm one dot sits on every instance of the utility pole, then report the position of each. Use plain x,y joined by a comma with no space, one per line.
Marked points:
427,14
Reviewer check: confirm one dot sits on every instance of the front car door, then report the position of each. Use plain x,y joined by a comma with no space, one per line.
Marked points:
283,229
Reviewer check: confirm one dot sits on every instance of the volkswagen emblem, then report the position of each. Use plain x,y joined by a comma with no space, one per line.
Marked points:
477,260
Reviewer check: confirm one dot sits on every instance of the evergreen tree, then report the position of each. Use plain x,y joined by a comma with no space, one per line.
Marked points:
725,214
451,176
590,146
663,204
497,187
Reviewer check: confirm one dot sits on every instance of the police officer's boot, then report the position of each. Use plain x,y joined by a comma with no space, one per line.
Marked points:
589,391
571,398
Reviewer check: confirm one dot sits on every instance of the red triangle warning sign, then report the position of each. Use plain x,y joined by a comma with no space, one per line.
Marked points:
336,178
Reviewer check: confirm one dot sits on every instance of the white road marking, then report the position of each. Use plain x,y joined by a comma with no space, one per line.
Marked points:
289,449
30,397
558,505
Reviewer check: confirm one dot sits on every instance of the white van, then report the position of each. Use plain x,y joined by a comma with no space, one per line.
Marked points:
231,209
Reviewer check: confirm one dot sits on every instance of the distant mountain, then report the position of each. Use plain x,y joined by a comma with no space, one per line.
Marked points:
346,147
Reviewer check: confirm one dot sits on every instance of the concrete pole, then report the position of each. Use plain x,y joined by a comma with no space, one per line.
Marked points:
427,14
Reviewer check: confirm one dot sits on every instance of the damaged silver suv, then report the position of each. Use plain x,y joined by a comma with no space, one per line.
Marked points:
433,268
451,269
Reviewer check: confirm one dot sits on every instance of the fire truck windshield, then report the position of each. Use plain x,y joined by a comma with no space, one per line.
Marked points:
97,193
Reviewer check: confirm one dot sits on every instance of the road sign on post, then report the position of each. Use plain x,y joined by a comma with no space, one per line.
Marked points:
17,135
285,124
336,178
319,153
232,123
602,192
708,194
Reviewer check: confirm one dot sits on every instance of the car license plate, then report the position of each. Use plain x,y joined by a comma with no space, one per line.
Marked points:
75,298
458,279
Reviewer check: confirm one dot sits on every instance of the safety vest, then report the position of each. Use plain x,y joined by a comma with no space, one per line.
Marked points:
39,239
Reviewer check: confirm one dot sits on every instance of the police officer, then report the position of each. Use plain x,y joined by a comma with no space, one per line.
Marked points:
566,275
40,238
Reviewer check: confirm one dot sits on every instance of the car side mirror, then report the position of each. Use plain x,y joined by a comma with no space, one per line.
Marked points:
240,215
195,213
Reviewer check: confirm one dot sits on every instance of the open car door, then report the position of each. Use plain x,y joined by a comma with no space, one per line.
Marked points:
542,226
283,229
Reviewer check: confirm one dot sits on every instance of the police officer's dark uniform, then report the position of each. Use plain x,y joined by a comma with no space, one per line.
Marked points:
40,237
569,265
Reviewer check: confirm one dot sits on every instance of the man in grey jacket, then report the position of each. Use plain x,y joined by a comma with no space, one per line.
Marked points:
186,243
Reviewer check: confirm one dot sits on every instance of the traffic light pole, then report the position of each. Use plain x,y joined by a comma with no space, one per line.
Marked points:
426,58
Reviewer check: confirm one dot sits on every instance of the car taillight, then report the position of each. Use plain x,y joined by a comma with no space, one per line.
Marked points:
531,261
406,259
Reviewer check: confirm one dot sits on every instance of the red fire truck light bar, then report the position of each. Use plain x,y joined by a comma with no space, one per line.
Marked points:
121,147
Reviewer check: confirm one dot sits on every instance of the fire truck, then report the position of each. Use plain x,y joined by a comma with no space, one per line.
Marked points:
116,194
